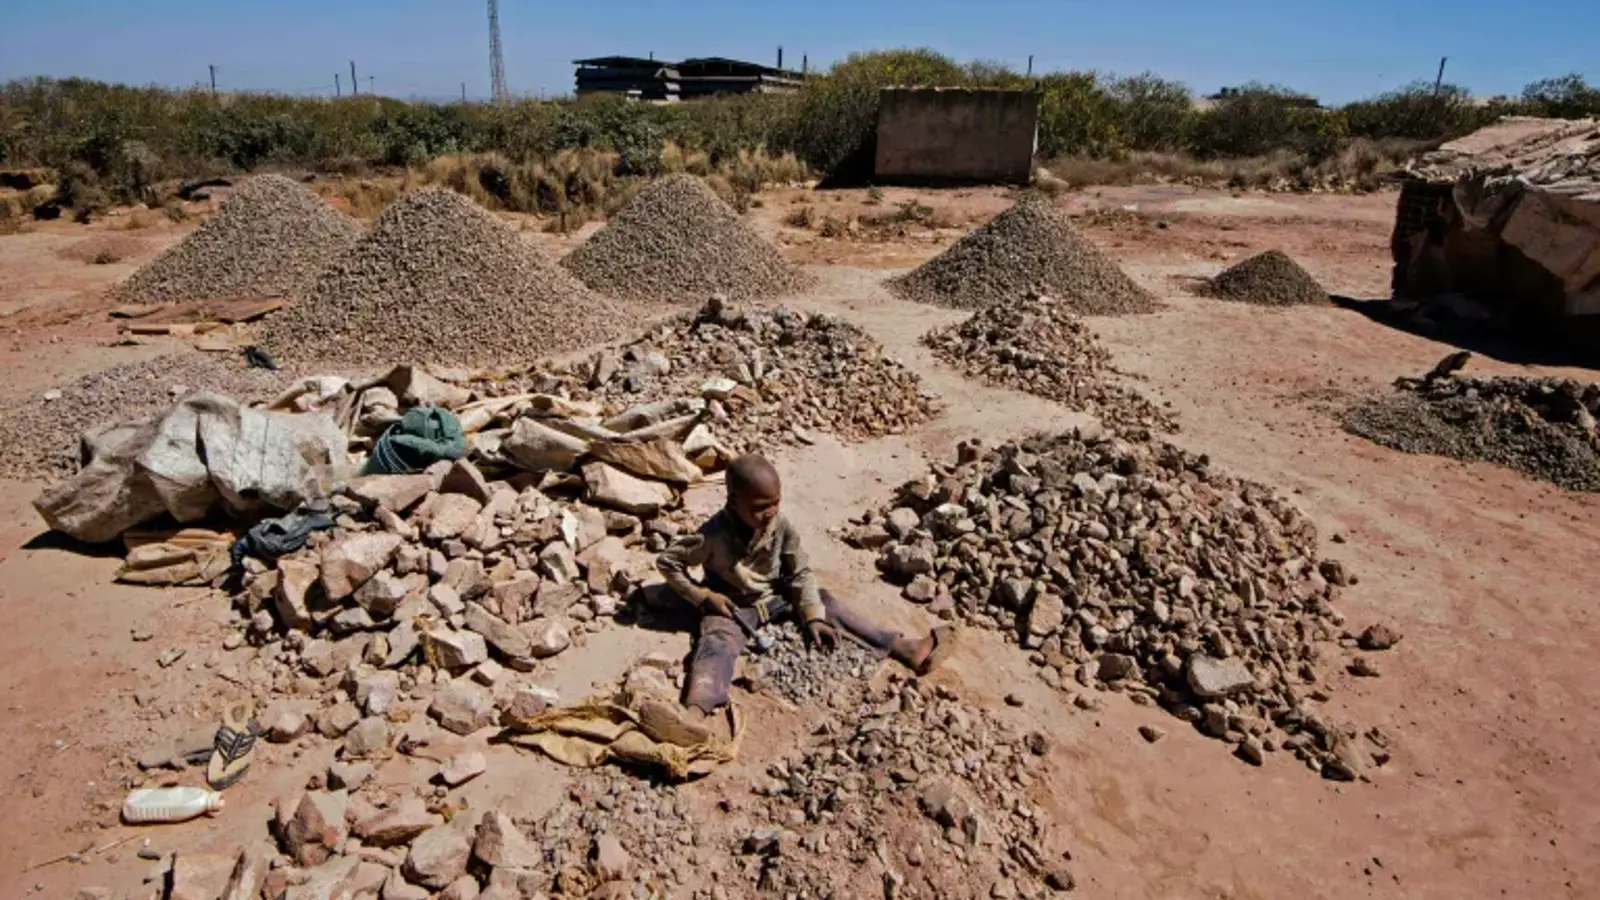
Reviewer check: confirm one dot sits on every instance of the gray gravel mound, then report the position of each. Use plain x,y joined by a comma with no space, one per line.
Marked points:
1541,427
440,280
1268,279
41,435
270,239
1031,247
677,242
1037,345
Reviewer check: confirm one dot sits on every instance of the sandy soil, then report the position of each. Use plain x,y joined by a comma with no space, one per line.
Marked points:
1495,785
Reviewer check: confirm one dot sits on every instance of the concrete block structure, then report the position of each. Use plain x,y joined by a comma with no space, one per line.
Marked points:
934,135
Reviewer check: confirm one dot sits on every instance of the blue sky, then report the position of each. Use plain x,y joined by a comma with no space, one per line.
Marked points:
427,48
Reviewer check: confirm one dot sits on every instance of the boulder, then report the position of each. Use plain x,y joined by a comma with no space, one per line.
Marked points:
612,487
350,562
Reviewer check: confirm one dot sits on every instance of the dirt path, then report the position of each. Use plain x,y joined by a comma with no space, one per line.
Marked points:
1493,790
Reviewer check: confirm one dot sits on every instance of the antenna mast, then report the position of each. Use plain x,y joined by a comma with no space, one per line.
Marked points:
497,63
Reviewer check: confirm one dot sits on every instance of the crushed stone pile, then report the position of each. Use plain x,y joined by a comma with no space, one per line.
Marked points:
271,238
1135,568
678,242
440,280
769,376
1031,247
1268,279
42,433
1038,345
1541,427
799,674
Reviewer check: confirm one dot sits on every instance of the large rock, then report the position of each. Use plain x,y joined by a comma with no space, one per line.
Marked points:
438,856
501,635
451,516
201,876
548,637
1214,678
450,649
396,493
349,563
317,829
295,580
500,843
610,486
397,825
463,707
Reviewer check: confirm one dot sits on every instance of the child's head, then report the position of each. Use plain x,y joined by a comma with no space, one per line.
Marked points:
754,490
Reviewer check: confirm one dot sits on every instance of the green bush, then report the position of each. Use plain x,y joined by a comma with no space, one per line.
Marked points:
1566,97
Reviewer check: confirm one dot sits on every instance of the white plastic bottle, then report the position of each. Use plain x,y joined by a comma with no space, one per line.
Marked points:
174,804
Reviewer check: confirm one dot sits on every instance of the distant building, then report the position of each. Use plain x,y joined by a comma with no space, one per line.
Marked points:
668,82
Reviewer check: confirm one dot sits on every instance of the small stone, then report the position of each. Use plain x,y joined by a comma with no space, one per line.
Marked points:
295,580
382,593
453,650
1378,637
463,707
1364,667
347,776
317,828
463,888
446,599
611,861
501,635
530,700
1215,678
1013,700
1047,615
200,876
1117,666
368,739
396,493
334,721
462,768
289,725
1151,733
396,826
909,559
548,637
501,844
1059,879
451,516
438,856
1251,751
902,521
349,563
465,478
922,589
611,487
1333,571
559,563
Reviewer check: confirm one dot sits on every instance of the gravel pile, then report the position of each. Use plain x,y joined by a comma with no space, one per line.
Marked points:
784,376
440,280
1268,279
1541,427
1031,247
1135,568
41,433
678,242
269,239
1038,345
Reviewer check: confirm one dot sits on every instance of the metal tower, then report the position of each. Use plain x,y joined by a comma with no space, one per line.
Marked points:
497,63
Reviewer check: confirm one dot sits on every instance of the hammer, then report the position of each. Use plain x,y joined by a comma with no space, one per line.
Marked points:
761,642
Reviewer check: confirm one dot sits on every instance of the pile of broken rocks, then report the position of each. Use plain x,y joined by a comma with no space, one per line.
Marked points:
775,376
1040,346
1135,568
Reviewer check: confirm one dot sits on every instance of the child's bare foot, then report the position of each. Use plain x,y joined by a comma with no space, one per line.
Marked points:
925,655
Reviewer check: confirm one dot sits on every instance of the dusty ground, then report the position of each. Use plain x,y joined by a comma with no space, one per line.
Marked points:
1495,786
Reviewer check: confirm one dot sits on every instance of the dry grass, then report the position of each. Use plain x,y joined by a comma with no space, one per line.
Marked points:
363,198
140,219
104,249
1359,167
801,216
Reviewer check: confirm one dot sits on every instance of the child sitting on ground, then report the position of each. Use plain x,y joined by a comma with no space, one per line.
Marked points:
752,559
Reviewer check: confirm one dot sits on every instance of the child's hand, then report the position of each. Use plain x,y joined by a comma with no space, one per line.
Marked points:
822,635
716,604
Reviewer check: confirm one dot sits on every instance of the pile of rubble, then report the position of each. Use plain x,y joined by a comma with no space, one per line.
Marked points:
769,376
678,242
1038,345
270,238
439,280
1136,568
43,433
1268,279
1542,427
1031,247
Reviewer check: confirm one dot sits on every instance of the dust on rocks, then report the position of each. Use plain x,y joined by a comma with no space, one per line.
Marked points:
1135,568
270,238
1033,246
1267,279
678,242
1037,344
440,280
